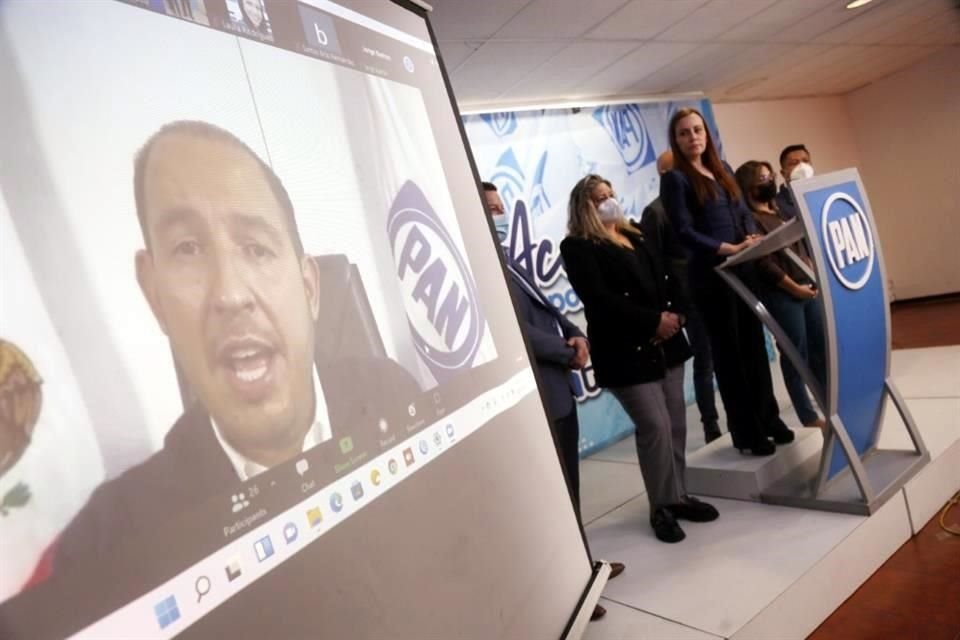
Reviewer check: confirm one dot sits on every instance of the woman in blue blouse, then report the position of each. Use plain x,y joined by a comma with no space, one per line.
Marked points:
708,213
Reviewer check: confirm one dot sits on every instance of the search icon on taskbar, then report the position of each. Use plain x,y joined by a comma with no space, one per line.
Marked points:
202,586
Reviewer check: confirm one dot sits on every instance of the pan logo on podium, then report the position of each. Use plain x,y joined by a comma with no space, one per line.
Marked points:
839,224
850,240
440,295
854,292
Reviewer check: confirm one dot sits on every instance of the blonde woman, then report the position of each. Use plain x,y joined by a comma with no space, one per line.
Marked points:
634,315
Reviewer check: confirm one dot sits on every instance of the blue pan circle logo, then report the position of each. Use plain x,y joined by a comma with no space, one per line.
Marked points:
439,293
848,240
625,126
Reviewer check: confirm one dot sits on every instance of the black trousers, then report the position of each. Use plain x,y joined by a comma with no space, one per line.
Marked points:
566,432
702,368
739,359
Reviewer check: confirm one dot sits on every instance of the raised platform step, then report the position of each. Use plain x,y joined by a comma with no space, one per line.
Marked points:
721,471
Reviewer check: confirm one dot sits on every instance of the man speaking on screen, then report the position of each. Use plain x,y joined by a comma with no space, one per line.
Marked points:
227,279
229,284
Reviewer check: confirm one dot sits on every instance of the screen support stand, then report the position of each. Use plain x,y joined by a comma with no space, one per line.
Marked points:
588,601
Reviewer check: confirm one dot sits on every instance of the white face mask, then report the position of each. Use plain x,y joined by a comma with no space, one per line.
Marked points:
802,171
609,210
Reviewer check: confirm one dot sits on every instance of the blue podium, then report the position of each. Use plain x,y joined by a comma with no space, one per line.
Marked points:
851,474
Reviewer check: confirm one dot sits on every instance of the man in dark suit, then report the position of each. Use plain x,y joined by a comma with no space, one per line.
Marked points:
559,346
225,274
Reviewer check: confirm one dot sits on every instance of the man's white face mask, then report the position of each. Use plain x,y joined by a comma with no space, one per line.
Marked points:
802,171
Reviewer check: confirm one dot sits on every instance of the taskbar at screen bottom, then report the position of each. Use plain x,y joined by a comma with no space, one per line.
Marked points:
195,592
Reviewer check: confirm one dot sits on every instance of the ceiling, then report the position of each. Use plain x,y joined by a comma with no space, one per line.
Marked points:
503,53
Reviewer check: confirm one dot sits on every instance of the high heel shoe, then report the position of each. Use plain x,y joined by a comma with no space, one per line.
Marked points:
761,447
783,435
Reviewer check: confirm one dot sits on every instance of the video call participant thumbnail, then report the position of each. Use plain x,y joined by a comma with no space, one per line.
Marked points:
227,279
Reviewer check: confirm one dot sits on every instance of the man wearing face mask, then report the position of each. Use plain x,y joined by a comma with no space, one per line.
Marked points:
559,346
794,165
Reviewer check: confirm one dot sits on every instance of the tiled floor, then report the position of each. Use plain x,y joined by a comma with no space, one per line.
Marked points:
916,594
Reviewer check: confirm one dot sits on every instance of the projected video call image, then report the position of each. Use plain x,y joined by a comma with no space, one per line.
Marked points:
259,285
249,16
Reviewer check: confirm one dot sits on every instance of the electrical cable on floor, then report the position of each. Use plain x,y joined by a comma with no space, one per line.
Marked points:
955,500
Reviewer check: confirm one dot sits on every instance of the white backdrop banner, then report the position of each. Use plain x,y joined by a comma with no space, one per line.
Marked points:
534,158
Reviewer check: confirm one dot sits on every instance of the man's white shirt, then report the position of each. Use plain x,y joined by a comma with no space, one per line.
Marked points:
319,432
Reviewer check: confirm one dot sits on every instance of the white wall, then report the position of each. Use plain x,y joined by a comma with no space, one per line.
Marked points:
907,128
903,134
760,130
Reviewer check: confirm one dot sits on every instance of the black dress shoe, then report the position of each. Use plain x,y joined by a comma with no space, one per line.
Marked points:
762,447
598,612
665,526
616,568
782,434
694,510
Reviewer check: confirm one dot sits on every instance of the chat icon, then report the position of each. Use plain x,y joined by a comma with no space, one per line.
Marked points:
302,466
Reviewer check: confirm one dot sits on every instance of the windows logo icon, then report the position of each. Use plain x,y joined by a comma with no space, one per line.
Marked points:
167,612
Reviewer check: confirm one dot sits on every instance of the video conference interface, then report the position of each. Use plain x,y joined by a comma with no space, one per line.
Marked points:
277,261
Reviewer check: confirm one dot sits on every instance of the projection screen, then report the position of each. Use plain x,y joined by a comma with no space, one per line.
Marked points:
260,375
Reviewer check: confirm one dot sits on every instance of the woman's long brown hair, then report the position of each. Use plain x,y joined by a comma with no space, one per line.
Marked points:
703,186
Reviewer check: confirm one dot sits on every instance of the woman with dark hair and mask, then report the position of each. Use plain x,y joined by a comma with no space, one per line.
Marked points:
706,207
786,290
635,312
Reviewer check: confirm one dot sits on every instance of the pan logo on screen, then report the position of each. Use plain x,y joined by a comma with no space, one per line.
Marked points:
439,293
848,240
626,128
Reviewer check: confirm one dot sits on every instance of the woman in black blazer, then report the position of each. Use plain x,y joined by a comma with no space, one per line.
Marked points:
634,315
708,213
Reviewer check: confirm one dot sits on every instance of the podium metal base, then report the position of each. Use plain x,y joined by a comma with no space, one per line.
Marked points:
887,471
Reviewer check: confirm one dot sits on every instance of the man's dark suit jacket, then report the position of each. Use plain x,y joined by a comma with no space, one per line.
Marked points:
553,354
623,294
654,215
145,526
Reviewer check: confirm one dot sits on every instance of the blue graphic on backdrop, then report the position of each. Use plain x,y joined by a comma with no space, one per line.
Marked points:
538,259
503,123
584,383
539,202
509,178
609,423
440,295
626,128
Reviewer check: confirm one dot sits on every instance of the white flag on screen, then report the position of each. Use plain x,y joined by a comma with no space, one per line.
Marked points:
54,470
